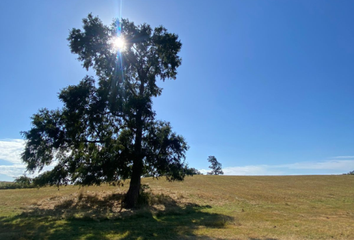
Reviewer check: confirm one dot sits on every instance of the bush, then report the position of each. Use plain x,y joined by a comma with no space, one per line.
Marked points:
20,182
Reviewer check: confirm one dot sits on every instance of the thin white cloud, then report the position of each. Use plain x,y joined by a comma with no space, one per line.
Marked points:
321,167
204,171
12,171
11,149
252,170
325,165
344,157
248,170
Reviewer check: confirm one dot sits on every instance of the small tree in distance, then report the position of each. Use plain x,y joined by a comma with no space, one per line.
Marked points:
215,166
193,171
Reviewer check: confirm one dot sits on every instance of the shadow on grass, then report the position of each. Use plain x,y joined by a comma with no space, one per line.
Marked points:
97,218
263,239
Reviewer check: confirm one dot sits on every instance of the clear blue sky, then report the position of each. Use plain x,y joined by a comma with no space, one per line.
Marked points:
267,87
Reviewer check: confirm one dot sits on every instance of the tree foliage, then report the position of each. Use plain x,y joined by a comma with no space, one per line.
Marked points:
350,173
215,166
24,180
106,130
193,171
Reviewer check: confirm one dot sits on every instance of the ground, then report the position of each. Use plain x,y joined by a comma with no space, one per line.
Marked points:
201,207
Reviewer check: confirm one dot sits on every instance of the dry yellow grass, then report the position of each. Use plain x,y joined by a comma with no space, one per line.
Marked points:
280,207
201,207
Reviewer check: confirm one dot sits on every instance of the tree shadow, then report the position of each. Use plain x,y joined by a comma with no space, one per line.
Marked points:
98,218
263,239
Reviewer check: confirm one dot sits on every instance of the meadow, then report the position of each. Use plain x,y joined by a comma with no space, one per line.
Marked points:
200,207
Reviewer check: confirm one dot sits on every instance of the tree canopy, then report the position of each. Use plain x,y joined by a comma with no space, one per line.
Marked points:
215,166
106,130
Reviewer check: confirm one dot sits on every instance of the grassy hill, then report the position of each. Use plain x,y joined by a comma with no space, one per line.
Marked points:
201,207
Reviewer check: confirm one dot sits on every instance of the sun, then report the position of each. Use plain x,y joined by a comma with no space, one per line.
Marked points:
118,44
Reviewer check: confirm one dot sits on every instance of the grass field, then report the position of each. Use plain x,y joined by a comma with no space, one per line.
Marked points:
201,207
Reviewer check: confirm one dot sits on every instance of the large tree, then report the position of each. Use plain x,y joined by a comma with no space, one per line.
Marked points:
106,130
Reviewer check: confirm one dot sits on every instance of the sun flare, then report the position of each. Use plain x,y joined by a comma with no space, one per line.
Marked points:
118,44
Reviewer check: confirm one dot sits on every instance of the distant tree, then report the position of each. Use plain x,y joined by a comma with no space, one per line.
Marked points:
106,131
188,171
24,181
350,173
215,166
193,171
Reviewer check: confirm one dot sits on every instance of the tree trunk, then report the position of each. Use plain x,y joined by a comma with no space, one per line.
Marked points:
132,196
131,199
